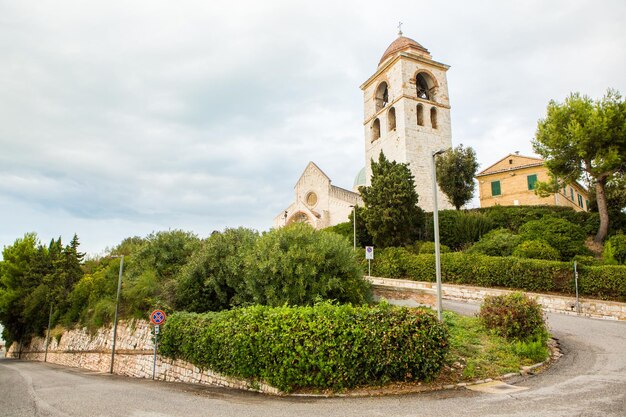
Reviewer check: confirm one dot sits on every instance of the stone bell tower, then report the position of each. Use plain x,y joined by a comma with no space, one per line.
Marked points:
407,114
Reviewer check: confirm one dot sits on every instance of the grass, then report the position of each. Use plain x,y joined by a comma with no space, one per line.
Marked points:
477,353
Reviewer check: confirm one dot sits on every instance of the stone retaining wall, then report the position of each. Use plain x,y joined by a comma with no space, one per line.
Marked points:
425,292
134,356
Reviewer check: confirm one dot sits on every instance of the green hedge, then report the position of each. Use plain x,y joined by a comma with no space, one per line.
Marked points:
322,347
604,282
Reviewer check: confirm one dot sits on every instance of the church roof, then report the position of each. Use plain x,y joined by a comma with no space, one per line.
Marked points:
360,178
402,43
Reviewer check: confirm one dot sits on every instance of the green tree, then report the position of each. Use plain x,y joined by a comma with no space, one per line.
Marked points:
582,136
213,279
391,213
298,265
150,277
455,174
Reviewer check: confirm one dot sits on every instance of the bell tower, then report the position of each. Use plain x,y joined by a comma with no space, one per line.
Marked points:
407,114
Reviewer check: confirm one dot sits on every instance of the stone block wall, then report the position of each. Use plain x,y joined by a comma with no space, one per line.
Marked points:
134,356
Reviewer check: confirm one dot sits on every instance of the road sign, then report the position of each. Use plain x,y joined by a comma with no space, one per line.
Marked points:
369,252
157,317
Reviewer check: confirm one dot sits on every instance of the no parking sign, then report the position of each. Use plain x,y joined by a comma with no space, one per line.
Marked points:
157,317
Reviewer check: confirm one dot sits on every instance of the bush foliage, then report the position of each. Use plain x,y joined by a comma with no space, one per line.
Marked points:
568,238
298,265
615,249
213,279
513,316
536,249
323,346
498,242
458,229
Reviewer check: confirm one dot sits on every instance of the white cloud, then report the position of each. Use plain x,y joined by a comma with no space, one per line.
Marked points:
119,118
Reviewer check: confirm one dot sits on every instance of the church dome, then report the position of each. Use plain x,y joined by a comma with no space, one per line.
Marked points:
359,180
402,43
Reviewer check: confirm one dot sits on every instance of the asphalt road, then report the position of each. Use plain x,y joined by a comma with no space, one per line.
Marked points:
590,380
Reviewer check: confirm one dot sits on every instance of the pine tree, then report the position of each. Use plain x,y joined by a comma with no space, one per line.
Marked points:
455,175
391,213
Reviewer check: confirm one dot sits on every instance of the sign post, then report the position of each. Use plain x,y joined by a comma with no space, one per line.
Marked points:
369,255
157,317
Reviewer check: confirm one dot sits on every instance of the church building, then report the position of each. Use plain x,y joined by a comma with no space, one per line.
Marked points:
407,117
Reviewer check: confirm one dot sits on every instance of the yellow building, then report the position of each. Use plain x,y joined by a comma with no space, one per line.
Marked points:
512,181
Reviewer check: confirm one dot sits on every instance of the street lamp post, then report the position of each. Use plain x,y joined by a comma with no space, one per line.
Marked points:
436,224
354,225
117,304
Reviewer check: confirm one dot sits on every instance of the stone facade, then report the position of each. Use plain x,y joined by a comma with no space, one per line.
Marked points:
134,356
317,201
407,114
513,188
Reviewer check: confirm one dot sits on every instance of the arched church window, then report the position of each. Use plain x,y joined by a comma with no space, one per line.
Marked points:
433,117
420,115
425,86
376,130
391,118
382,96
311,199
299,217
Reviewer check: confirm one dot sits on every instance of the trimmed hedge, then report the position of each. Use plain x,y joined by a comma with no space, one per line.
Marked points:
603,282
323,347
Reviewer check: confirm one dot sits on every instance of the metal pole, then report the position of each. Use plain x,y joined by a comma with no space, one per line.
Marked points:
576,284
354,224
156,340
369,267
45,357
436,224
117,303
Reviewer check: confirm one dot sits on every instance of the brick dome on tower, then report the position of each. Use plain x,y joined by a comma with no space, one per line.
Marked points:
402,44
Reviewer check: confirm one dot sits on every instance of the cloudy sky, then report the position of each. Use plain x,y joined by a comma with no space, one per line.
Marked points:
119,118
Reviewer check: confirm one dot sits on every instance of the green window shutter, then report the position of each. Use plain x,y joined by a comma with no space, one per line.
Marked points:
495,188
532,181
571,193
580,200
587,204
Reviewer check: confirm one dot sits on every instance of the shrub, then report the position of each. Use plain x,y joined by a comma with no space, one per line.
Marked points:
568,238
513,316
298,265
429,247
513,217
536,249
499,242
458,229
615,249
390,262
323,347
534,349
213,279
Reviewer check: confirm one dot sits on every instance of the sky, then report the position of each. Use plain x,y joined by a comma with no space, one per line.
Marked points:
122,118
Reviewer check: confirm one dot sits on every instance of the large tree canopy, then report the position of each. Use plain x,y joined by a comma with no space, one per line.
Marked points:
455,175
391,212
32,278
585,138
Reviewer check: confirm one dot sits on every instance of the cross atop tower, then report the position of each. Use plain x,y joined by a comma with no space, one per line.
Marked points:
399,28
